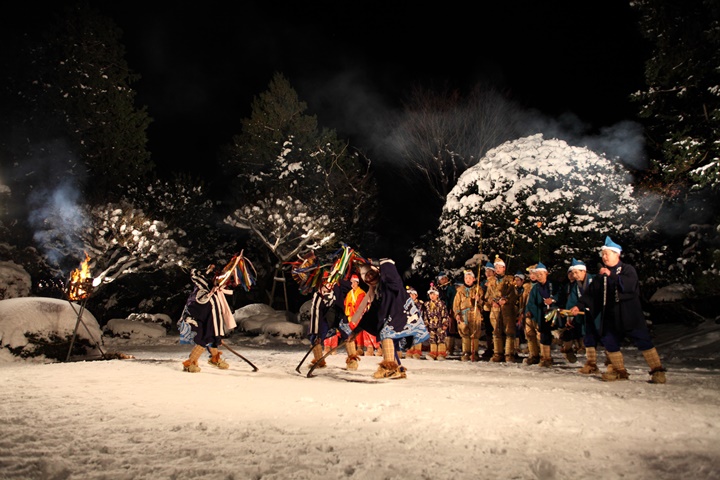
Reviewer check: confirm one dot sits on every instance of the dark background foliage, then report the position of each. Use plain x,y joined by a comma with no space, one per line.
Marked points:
169,114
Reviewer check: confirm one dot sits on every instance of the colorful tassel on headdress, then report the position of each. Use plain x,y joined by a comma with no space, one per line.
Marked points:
345,260
310,274
245,278
239,272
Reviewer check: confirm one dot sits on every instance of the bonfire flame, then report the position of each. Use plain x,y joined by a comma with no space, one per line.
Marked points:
81,282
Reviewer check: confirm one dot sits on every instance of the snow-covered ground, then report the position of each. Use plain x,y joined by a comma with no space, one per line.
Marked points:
144,418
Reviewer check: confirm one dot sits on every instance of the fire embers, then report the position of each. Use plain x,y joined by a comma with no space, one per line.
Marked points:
81,283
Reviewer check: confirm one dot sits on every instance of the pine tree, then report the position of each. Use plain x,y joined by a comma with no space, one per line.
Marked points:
72,97
681,112
681,104
281,153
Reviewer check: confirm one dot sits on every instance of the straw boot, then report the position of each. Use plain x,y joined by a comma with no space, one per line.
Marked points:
191,364
657,372
545,356
590,362
618,371
388,368
216,361
317,353
442,353
510,349
533,350
433,351
499,349
352,359
465,342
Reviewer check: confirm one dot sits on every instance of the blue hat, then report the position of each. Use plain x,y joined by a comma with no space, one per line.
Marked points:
577,265
540,268
490,266
520,275
610,245
442,274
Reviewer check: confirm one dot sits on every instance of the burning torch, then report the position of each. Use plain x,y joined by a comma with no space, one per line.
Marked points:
80,287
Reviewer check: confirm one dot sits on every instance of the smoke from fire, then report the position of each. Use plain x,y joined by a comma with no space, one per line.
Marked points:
57,220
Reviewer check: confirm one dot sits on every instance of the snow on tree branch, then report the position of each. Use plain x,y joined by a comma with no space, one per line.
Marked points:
284,225
122,239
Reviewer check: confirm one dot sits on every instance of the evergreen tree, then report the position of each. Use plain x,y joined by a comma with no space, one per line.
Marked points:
681,112
681,104
282,153
72,102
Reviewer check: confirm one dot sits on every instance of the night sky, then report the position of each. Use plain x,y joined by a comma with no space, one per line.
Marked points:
202,64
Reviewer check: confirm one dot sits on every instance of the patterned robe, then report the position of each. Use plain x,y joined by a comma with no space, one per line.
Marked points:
437,320
207,312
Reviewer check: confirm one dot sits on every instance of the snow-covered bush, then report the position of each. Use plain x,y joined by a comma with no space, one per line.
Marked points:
258,318
147,241
42,329
533,200
129,328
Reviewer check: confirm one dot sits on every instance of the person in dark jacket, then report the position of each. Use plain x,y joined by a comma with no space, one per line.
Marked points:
206,318
447,291
390,314
615,296
542,299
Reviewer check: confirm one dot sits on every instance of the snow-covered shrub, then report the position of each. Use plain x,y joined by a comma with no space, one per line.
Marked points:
535,200
160,319
258,318
42,329
135,329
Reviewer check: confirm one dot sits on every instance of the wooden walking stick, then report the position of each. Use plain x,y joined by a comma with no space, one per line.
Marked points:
223,344
539,225
480,265
351,338
316,342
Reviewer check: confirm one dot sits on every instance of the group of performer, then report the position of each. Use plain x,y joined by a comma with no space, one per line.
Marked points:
586,312
590,311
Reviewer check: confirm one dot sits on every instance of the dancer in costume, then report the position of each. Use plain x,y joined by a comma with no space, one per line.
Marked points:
390,314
